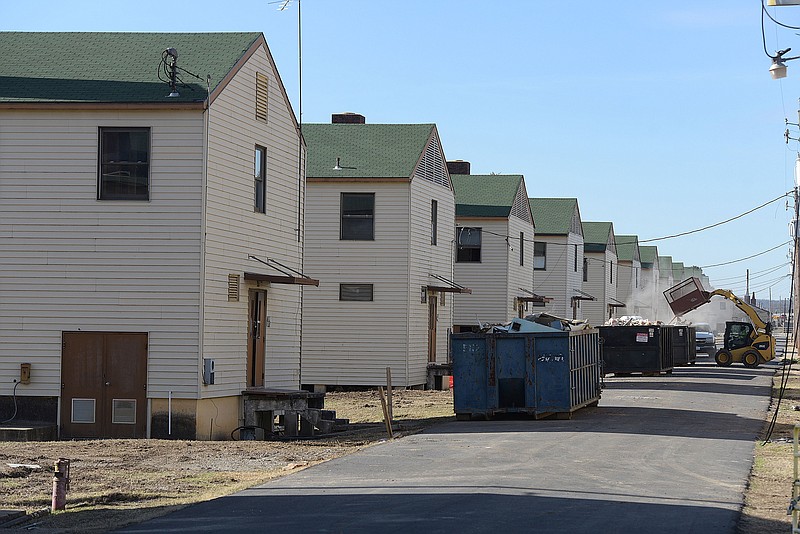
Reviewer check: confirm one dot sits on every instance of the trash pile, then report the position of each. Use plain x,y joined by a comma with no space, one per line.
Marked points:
631,320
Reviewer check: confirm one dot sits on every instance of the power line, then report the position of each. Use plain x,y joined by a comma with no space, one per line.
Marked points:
719,223
746,258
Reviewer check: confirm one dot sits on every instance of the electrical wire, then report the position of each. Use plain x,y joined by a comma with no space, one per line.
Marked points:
787,369
745,258
779,23
754,274
14,395
719,223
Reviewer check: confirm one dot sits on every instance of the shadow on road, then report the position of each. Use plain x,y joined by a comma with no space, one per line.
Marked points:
356,510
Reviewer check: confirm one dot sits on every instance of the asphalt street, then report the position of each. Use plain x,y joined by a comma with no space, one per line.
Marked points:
659,454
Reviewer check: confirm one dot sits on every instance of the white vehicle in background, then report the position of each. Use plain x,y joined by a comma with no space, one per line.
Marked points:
704,339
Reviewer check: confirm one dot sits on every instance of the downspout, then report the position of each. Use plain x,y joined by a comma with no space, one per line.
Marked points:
410,290
204,214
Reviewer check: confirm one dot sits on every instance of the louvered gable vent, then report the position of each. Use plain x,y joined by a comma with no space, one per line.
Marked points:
433,167
521,208
262,96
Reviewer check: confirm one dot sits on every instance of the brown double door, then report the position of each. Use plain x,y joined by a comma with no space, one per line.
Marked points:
103,385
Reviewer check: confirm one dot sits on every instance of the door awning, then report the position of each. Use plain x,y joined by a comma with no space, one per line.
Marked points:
451,286
287,276
532,297
615,303
582,295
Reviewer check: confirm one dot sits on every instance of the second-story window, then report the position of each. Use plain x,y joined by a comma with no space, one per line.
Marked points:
357,216
522,248
585,269
539,256
611,272
575,260
260,179
468,245
434,221
124,164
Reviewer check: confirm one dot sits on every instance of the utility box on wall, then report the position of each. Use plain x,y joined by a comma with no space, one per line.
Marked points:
208,371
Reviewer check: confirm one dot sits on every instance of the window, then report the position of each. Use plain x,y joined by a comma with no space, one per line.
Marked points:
360,292
358,216
611,272
434,221
575,259
585,269
468,243
539,256
260,179
124,167
522,248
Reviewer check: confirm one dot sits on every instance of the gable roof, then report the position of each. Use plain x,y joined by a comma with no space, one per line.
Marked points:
111,67
365,150
553,216
597,235
485,195
665,266
627,247
648,255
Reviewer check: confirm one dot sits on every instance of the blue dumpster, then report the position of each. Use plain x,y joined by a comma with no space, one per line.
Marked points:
536,373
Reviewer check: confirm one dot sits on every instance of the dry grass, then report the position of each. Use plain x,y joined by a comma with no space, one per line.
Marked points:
116,482
770,486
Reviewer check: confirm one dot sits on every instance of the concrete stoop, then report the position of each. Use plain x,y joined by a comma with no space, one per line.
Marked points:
28,431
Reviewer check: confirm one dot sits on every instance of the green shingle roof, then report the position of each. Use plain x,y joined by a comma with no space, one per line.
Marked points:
365,150
553,216
677,271
627,246
648,254
595,235
485,195
665,266
93,67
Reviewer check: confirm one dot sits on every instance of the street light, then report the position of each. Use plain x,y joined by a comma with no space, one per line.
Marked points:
778,68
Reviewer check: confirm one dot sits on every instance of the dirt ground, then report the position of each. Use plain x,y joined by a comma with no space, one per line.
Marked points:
116,482
770,486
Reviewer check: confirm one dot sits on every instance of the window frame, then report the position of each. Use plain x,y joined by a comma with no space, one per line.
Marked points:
101,183
543,257
354,286
575,261
260,183
585,269
522,249
353,217
469,253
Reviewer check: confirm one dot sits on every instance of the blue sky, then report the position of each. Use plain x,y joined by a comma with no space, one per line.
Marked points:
658,116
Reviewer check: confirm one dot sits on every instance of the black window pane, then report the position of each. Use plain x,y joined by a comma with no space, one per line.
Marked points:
124,164
357,229
359,292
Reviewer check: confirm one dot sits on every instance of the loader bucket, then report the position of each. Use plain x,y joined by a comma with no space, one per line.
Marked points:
686,296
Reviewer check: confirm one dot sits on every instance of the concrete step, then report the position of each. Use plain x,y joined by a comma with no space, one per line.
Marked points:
26,431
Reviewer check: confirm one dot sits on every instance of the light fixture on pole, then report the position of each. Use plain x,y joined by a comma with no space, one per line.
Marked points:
778,68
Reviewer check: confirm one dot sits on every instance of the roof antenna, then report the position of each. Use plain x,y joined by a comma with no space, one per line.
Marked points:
173,68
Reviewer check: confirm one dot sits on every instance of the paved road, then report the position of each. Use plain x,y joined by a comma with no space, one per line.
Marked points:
664,454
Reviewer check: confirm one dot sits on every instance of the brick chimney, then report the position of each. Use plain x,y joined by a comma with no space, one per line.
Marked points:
458,166
348,118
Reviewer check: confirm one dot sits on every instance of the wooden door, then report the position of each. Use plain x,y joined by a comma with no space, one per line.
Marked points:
103,385
432,322
256,341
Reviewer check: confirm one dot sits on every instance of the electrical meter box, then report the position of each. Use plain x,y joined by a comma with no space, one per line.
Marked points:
208,371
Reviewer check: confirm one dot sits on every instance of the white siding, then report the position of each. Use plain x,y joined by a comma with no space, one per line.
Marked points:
234,230
560,278
629,287
69,262
599,285
352,343
519,276
427,259
488,278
